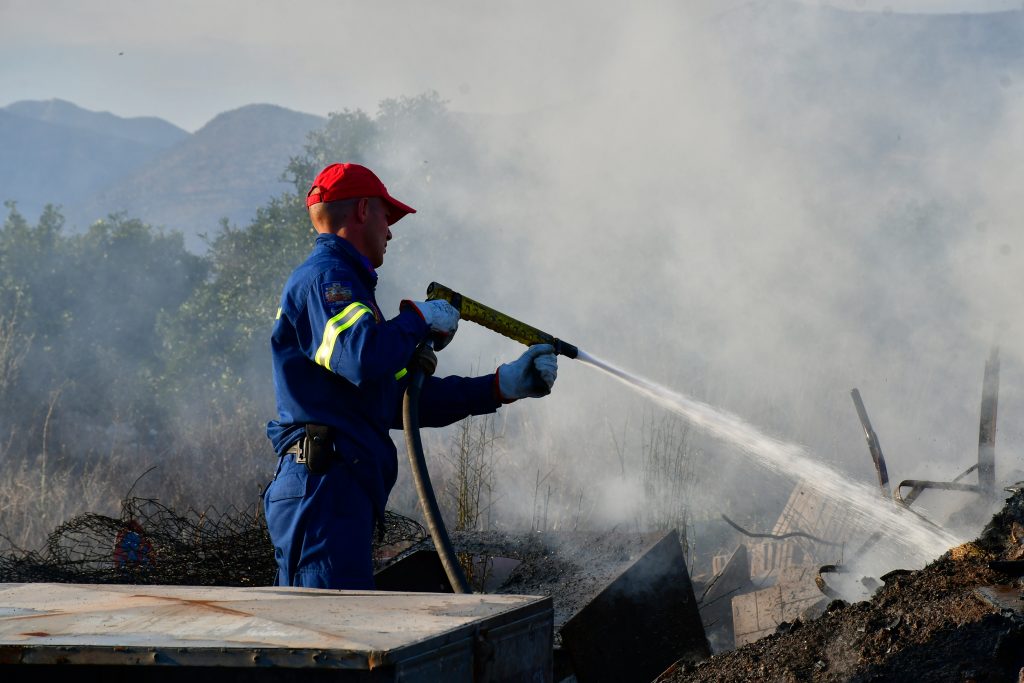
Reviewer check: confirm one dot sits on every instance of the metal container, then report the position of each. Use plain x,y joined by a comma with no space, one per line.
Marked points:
185,633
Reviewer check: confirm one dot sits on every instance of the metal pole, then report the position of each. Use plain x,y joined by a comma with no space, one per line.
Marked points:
987,429
873,445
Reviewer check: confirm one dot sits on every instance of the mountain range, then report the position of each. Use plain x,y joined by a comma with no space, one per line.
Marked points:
95,163
891,87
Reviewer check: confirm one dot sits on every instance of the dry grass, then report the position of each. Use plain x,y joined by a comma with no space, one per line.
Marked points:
472,457
221,462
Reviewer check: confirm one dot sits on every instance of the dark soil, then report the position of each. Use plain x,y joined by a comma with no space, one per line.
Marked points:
927,625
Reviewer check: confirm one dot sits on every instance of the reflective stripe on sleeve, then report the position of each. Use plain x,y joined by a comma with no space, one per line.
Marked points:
335,326
401,373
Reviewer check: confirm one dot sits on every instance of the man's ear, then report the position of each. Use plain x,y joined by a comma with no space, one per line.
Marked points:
362,209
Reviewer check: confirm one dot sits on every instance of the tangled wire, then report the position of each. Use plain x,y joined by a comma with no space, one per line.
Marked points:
152,544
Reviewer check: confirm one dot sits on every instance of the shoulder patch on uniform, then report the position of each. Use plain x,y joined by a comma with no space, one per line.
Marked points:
335,293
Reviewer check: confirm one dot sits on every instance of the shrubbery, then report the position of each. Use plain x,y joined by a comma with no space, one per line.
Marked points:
120,350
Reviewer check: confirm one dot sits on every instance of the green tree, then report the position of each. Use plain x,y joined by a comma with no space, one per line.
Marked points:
217,342
89,305
30,265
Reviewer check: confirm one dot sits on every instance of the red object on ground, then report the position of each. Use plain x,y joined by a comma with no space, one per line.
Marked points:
131,547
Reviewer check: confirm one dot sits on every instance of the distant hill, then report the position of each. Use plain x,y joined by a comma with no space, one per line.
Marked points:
146,130
95,163
226,169
55,152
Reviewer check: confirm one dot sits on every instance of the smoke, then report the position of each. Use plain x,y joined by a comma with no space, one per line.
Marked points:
759,204
764,205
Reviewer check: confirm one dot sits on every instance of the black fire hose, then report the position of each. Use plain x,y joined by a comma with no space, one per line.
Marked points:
422,364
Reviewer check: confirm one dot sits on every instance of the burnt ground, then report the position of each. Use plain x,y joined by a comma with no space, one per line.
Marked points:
570,567
934,624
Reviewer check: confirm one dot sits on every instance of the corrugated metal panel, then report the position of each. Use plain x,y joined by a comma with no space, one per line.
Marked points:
239,627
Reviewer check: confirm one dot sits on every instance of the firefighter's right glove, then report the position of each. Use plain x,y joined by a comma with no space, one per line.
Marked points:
531,376
441,317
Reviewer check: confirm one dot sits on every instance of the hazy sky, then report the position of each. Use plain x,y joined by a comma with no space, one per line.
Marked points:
189,60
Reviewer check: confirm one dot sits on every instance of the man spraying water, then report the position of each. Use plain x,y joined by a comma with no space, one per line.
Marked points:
339,373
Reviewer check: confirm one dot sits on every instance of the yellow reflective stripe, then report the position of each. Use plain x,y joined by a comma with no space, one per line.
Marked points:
401,373
334,327
278,316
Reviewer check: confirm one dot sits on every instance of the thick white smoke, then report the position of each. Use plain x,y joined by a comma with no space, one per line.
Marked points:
761,203
766,206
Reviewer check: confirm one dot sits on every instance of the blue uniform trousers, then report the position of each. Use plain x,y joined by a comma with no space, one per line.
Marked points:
322,527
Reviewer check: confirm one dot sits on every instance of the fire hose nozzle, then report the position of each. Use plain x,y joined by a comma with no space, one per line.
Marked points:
497,321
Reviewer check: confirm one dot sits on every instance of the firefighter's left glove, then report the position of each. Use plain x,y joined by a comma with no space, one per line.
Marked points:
531,376
441,317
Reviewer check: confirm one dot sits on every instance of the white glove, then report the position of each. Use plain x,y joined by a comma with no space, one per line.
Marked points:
531,376
441,317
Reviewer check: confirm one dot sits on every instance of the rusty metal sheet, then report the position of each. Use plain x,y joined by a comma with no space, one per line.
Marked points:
239,627
1003,598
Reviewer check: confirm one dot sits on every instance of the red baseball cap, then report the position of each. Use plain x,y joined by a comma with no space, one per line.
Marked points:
348,181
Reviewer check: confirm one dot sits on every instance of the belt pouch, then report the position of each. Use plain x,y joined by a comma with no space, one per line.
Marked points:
318,448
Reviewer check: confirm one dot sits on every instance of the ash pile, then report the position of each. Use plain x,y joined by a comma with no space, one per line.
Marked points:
961,618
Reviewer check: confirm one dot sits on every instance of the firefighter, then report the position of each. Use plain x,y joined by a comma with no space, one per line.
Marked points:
339,376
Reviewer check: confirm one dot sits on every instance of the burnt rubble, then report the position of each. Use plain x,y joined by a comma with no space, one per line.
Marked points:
961,618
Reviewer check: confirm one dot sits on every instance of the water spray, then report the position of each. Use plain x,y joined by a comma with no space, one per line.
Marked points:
923,541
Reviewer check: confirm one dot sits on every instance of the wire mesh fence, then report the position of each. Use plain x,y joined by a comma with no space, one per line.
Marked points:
152,544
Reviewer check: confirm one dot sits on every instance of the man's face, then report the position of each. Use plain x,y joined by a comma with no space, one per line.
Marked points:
377,232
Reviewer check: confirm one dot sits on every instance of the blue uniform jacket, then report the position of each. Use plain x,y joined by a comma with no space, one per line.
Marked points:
338,362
